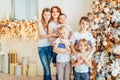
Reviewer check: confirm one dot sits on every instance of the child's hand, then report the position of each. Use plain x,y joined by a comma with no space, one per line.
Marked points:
54,34
82,58
80,61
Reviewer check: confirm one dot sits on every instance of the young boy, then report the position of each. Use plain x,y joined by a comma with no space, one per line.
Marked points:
63,21
61,47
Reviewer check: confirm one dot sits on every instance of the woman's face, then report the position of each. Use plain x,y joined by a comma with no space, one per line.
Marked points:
55,13
47,16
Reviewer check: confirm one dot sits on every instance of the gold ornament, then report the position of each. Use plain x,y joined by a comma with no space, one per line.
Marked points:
12,57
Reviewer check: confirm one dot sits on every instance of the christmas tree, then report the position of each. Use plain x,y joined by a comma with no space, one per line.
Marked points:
105,25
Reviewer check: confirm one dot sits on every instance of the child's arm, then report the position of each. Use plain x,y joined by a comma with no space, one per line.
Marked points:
73,48
86,61
70,34
93,44
91,52
76,62
50,31
67,47
40,35
60,50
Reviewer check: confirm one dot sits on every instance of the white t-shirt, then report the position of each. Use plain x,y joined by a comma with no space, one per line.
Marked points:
81,68
53,25
43,42
77,36
62,57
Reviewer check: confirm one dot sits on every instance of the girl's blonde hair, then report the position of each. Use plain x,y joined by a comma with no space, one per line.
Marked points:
45,25
61,28
85,42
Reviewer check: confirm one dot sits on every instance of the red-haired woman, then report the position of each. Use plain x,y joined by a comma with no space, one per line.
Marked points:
52,28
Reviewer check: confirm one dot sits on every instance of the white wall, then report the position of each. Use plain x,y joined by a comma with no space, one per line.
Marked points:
25,9
5,9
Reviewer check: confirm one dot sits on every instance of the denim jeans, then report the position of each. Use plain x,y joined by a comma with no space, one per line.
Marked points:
45,54
81,76
54,58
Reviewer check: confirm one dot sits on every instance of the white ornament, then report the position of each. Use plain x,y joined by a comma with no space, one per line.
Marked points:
99,67
104,43
97,2
96,20
115,16
102,15
106,10
115,50
96,26
114,72
107,22
103,4
101,20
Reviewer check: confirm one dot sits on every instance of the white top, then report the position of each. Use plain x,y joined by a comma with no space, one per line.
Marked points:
43,42
77,36
53,25
67,26
62,57
81,68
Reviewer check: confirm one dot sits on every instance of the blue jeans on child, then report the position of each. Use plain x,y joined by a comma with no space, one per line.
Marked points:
45,54
81,76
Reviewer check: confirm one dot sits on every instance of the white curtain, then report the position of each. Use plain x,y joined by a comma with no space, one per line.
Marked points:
5,9
25,9
18,9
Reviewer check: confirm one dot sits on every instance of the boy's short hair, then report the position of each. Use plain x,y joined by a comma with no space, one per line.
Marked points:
85,19
62,14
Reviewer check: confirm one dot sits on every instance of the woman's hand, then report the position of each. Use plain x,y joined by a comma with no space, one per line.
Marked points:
54,35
